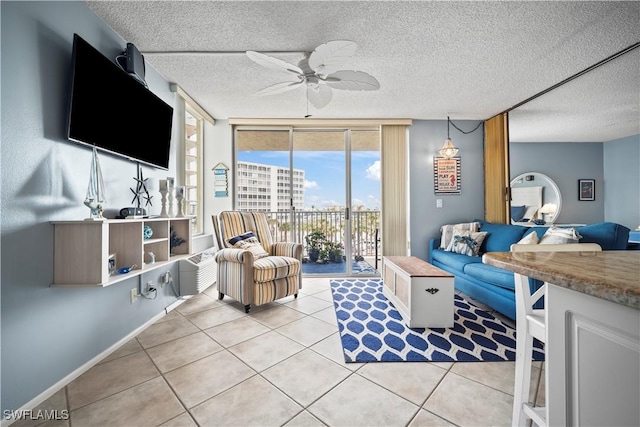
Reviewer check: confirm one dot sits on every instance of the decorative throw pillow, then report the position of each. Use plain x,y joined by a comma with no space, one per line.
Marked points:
467,243
248,241
530,239
530,213
449,229
556,235
517,212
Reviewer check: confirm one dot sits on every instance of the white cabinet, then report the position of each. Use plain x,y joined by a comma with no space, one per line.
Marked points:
82,249
593,360
422,293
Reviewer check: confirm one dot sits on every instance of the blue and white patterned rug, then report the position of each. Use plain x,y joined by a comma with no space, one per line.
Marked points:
372,330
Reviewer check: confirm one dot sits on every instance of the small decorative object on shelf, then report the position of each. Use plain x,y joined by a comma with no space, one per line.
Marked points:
125,270
175,240
179,200
152,257
141,190
111,264
95,198
147,232
171,184
163,193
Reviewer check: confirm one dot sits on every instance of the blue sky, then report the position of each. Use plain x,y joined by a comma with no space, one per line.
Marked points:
325,175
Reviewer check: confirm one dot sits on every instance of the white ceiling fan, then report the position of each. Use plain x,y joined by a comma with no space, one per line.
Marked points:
318,72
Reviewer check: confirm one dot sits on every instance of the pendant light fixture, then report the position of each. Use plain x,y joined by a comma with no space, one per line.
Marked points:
448,150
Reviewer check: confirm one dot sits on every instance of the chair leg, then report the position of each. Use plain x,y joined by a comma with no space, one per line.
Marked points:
524,354
247,308
220,295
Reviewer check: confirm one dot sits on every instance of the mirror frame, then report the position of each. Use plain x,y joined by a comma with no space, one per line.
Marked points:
553,185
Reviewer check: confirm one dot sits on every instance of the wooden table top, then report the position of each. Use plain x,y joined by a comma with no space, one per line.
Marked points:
416,267
610,275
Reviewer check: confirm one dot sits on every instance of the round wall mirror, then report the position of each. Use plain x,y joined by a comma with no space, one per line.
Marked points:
534,197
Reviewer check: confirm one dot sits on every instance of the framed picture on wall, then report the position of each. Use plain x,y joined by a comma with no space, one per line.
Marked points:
586,189
446,175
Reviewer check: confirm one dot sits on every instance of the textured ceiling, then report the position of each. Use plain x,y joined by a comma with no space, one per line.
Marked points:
466,60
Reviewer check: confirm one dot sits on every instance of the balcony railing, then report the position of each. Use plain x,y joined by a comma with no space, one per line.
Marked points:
364,228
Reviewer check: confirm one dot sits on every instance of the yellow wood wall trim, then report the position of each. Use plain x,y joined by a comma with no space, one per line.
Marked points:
496,169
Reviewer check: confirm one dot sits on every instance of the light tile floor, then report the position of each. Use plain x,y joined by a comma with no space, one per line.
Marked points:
207,363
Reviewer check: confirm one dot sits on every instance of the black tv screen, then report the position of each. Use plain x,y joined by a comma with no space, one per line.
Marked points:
111,110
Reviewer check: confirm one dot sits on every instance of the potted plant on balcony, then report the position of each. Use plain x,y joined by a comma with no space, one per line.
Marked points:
316,241
334,251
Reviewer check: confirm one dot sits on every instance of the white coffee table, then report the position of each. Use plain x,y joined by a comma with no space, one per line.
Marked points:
421,292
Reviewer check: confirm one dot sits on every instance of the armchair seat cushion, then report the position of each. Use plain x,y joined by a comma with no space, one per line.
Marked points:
275,267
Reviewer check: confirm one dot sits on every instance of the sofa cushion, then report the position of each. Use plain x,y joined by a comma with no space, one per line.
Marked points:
538,230
558,236
609,235
453,260
529,239
517,212
467,243
448,231
500,237
490,274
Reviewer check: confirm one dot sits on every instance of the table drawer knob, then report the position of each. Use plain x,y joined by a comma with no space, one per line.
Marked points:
432,290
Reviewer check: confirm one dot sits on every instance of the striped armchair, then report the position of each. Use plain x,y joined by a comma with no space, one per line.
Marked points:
252,268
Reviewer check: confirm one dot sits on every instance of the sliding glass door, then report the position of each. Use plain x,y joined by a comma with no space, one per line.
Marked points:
320,187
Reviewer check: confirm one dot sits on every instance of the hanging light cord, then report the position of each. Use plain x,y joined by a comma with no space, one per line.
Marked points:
454,125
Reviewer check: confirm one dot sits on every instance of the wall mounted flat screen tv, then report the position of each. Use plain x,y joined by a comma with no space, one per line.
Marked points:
111,110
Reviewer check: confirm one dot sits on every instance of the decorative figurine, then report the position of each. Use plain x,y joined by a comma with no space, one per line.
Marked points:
171,182
163,200
141,190
95,198
180,198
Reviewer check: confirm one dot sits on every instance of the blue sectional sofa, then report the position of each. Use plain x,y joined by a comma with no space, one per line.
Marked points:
495,287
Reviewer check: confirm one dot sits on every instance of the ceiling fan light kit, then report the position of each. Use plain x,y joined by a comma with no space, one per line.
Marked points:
318,72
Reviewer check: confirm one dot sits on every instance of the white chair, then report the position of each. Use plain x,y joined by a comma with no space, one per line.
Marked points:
530,324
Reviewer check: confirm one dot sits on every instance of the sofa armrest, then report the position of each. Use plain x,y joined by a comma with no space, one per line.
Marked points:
289,249
433,244
239,256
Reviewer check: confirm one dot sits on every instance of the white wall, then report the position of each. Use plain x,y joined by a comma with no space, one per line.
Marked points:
48,333
622,181
218,148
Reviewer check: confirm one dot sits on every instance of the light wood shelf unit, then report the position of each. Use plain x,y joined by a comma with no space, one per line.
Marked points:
82,248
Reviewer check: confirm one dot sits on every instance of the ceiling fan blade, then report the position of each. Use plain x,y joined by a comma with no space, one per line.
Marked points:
352,80
319,96
279,88
329,57
273,63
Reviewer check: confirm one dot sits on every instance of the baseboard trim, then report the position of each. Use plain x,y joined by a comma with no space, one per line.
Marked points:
33,403
168,309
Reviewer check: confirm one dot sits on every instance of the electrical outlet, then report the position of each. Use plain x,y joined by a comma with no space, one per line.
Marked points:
438,203
134,295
